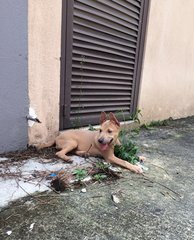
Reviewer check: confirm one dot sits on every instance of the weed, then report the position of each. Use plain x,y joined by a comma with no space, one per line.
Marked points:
135,116
146,126
120,115
122,133
91,128
101,166
80,174
102,171
99,177
158,123
127,150
77,122
136,131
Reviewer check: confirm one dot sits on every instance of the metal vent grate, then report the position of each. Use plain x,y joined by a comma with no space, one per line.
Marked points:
105,36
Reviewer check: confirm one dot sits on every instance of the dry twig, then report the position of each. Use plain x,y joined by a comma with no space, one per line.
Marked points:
152,181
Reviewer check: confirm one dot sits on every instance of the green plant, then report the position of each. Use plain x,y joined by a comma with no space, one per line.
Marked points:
77,121
146,126
136,130
153,124
120,115
127,150
80,173
101,166
136,116
99,177
91,128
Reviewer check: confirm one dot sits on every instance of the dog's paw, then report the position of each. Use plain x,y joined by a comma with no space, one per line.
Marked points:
64,157
37,146
137,169
83,154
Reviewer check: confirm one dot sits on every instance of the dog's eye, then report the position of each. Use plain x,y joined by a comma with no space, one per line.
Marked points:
109,131
100,130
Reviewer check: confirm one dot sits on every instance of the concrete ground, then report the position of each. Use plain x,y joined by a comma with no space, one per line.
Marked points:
158,205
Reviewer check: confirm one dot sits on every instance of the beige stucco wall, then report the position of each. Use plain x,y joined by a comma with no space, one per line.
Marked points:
44,27
167,84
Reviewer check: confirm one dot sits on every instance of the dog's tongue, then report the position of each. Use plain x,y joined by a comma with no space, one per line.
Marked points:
104,146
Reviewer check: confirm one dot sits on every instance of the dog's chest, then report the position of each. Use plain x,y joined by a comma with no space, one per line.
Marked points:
90,149
94,151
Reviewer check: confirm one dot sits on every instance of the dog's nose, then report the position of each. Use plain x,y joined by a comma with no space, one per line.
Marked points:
101,140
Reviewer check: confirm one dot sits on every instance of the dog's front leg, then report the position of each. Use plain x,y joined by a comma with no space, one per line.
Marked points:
114,160
67,147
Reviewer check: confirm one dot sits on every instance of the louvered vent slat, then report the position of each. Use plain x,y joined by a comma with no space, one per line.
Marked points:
105,42
85,32
101,81
82,53
94,26
127,7
104,62
136,3
108,13
105,22
101,69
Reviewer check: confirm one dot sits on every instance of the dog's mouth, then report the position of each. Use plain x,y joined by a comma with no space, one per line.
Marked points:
103,146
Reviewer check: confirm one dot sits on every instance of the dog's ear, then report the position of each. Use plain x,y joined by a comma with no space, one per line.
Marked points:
103,117
114,119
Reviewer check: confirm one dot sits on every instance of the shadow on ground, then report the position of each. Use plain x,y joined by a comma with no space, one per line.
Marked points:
158,205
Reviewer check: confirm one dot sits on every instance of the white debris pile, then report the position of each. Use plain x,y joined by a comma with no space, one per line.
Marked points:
21,178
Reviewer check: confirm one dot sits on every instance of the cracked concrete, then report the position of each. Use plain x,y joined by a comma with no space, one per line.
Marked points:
158,205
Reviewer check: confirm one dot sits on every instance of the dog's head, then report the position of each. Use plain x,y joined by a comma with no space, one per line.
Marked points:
108,132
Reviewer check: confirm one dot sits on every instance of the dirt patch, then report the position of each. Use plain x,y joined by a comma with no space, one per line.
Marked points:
159,206
30,152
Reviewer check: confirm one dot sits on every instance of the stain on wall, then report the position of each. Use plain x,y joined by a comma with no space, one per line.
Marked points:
13,75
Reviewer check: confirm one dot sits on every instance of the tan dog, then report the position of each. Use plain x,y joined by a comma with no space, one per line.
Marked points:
93,143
